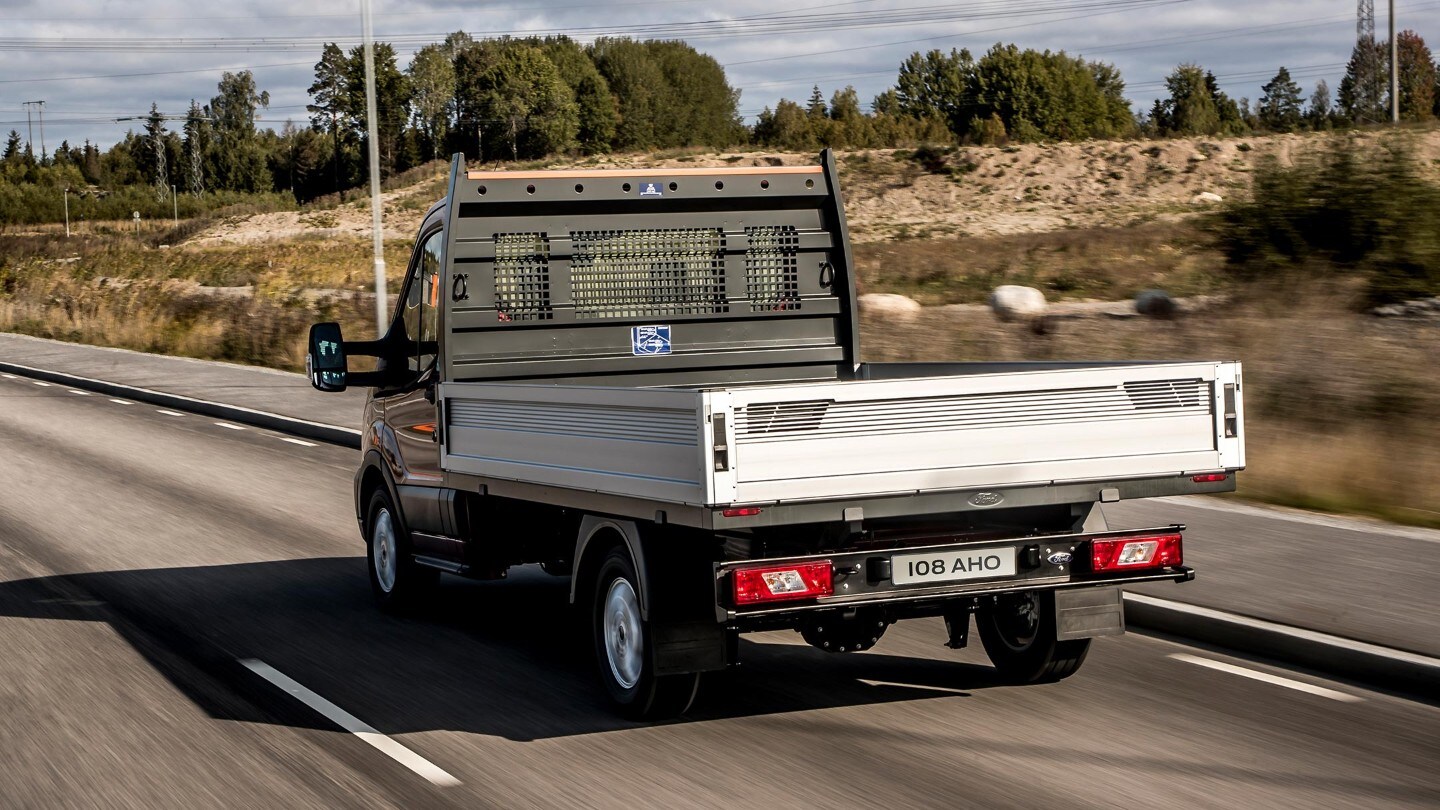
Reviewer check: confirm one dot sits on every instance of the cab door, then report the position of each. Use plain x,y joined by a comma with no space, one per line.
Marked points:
411,411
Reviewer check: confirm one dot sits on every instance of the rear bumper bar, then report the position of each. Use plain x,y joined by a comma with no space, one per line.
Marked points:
862,578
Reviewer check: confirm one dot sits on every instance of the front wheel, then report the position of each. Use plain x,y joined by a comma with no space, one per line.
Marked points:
1018,633
396,580
623,650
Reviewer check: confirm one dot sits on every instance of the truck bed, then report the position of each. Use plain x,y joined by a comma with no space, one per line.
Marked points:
896,431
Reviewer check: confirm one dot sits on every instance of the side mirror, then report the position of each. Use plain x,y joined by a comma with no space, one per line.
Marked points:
325,362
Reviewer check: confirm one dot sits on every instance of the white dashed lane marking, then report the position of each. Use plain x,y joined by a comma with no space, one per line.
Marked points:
121,402
1265,677
78,393
300,442
41,384
230,426
387,746
168,413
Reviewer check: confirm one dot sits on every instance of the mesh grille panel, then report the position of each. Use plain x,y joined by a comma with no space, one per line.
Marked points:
522,276
643,273
772,276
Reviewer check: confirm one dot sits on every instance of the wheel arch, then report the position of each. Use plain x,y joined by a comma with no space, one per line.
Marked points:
372,476
598,535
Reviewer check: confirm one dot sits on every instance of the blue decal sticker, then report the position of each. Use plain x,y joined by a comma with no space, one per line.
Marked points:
650,340
650,190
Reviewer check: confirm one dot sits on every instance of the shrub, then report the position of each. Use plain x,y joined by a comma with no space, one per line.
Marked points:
1359,209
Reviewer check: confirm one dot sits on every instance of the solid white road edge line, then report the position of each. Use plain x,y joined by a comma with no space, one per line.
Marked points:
1299,686
1283,629
424,767
228,425
1298,516
300,442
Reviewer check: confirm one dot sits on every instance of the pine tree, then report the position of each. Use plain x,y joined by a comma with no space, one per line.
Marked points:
1365,89
155,163
815,108
1280,105
1190,107
331,104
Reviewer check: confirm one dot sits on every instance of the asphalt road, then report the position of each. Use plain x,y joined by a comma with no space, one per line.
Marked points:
143,555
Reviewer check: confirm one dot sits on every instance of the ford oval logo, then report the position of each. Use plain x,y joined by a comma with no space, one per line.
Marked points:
986,498
1058,558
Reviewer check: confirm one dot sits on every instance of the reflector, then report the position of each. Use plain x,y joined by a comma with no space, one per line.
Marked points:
1209,478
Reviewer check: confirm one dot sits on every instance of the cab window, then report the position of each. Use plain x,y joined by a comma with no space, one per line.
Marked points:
421,315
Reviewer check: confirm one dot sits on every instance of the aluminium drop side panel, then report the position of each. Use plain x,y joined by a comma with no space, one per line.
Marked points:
636,442
818,441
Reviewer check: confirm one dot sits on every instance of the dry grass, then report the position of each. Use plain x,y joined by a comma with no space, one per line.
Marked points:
1103,263
1339,406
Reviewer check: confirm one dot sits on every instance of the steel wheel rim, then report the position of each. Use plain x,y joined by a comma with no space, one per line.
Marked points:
624,646
382,550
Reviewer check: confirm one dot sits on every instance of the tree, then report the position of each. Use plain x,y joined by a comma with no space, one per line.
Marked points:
1190,108
639,86
1417,77
392,100
14,152
789,128
330,101
1280,105
432,95
1365,89
1319,113
514,99
236,160
937,85
598,115
1232,122
815,108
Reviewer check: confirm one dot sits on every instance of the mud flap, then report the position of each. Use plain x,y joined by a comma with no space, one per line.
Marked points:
689,647
1088,612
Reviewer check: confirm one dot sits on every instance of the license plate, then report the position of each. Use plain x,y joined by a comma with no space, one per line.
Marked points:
950,566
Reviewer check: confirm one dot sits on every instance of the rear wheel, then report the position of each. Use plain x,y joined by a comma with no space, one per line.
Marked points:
1018,633
397,582
623,650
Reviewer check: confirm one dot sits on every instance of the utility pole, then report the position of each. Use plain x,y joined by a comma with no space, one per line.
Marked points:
67,212
30,128
372,132
175,203
1394,69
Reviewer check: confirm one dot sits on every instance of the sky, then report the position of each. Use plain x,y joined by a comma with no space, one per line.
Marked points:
93,61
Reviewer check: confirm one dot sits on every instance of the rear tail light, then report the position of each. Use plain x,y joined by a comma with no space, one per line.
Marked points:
1134,553
1209,478
778,583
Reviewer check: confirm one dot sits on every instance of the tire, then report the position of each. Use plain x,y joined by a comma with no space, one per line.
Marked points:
397,581
623,650
1018,633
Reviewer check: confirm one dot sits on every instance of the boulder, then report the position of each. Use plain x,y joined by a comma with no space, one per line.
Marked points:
1206,198
1012,302
1156,304
889,306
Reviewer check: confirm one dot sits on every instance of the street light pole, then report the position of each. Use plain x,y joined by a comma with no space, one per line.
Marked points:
372,131
175,203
